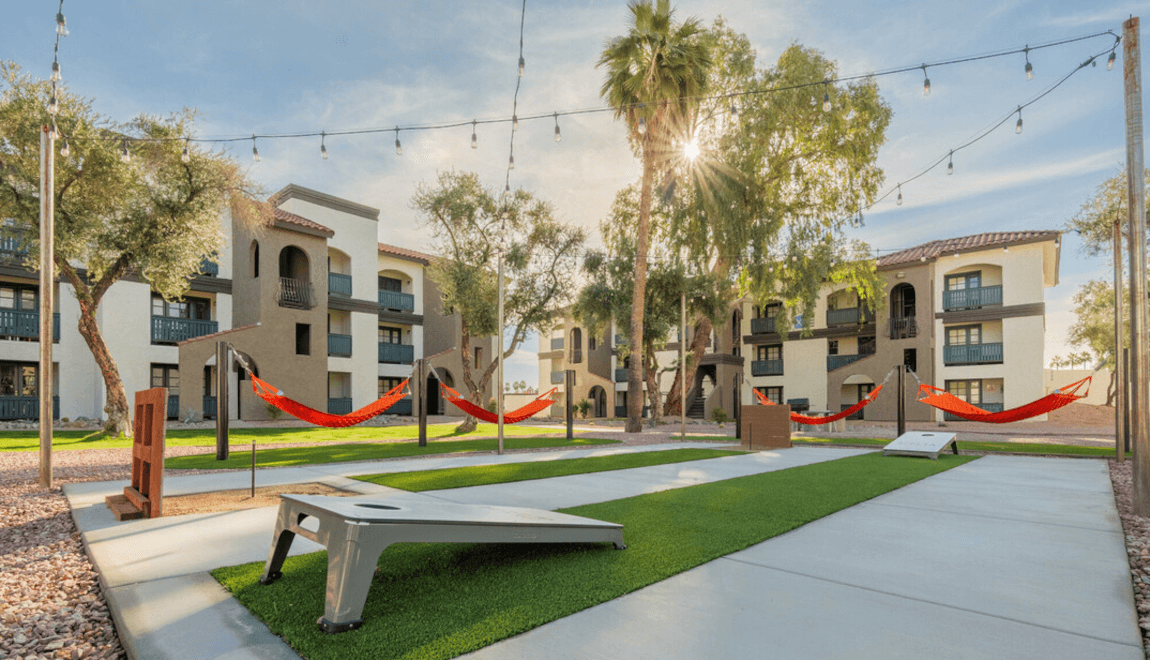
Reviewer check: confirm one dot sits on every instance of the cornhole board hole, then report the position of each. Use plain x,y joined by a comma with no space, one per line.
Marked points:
921,443
356,532
766,427
145,497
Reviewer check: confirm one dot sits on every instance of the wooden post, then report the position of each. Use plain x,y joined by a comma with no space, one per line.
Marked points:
223,366
421,389
570,387
1119,362
901,414
47,251
1136,190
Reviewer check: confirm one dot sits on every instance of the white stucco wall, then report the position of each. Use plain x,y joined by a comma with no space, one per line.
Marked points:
804,372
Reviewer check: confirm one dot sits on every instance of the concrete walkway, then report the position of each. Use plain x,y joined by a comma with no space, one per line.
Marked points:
1002,557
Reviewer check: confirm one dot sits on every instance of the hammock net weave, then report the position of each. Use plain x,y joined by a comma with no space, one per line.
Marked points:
808,419
275,396
945,401
512,417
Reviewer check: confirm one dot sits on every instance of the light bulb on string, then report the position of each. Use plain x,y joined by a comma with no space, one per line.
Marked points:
511,163
64,150
474,137
53,105
826,97
1110,61
514,122
398,147
1018,126
255,151
899,200
53,132
925,82
521,63
125,155
61,25
922,258
734,111
558,135
950,165
55,72
185,156
323,145
642,127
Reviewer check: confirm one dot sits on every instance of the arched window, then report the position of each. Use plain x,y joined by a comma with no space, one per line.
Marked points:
902,311
576,346
255,257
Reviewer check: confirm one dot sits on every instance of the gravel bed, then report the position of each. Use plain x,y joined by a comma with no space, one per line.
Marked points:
1137,531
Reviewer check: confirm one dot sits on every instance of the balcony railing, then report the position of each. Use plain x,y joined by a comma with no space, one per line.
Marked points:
840,361
618,340
339,284
25,325
401,407
972,354
341,406
971,298
621,375
167,330
848,316
296,294
762,326
404,302
556,343
558,377
621,411
25,407
209,407
396,353
903,328
12,247
209,268
339,345
173,406
767,368
988,407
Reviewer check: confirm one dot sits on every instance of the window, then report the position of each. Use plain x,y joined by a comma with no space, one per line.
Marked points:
966,335
390,284
166,376
389,335
591,343
774,352
867,345
182,308
774,394
18,379
478,356
960,281
255,259
302,339
387,383
17,297
969,391
910,358
832,347
772,310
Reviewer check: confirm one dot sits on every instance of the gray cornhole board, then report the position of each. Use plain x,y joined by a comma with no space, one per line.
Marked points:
355,533
921,443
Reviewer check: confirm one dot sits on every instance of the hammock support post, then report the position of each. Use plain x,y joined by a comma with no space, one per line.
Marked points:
421,389
901,400
569,385
738,409
1121,440
223,364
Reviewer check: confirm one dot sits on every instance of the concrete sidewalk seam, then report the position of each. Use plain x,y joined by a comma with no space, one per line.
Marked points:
923,600
989,517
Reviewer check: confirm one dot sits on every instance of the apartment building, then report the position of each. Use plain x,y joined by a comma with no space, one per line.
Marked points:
966,314
313,301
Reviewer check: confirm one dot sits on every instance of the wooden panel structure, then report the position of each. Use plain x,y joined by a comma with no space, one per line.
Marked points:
766,427
144,498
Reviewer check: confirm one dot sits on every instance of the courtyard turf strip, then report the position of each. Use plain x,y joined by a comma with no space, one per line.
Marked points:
289,456
433,601
482,475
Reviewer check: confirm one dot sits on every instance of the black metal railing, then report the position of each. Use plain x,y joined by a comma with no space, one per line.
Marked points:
767,368
25,325
209,268
973,298
903,328
339,284
166,330
340,406
840,361
296,294
762,326
173,406
849,315
339,345
404,302
25,407
988,407
396,353
972,354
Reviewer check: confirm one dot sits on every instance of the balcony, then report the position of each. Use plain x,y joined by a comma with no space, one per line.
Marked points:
25,407
339,285
341,406
401,407
840,361
339,345
556,343
209,268
988,407
903,328
404,302
167,330
767,367
971,298
762,326
25,325
576,356
396,353
972,354
558,377
295,294
13,248
173,406
849,316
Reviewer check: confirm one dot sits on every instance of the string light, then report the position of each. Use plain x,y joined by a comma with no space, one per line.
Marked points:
55,72
61,23
474,137
53,132
558,135
125,155
511,163
323,145
1018,126
734,111
53,106
185,156
922,258
826,96
950,165
514,122
64,150
1110,61
642,128
1029,66
255,151
398,146
899,200
521,63
925,82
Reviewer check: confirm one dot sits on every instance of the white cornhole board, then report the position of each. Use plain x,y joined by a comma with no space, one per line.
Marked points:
920,443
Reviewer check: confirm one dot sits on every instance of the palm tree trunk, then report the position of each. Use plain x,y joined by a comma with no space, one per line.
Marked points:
635,377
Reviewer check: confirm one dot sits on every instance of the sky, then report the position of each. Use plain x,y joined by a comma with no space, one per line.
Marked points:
256,67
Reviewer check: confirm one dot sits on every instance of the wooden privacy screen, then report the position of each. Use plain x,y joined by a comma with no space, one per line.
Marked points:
766,427
146,491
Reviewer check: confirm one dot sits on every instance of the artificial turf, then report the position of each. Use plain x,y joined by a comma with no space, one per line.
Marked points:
442,600
991,447
481,475
64,440
288,456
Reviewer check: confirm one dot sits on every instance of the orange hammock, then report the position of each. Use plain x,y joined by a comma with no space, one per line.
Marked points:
275,396
943,400
486,415
807,419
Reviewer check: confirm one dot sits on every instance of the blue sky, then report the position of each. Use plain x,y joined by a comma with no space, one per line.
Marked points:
296,65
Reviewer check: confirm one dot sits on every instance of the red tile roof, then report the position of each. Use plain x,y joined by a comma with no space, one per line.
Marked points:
404,253
299,220
934,249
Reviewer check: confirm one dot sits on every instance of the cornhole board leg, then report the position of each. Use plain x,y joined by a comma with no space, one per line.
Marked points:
356,533
921,444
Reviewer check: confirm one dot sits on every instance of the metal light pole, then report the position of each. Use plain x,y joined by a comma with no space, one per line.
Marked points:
1139,350
47,271
1119,362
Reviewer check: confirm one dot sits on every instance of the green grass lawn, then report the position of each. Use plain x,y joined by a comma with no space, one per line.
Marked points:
442,600
30,440
996,447
288,456
481,475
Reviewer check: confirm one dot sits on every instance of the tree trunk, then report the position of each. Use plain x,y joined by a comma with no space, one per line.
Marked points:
652,377
1112,388
119,414
635,377
469,423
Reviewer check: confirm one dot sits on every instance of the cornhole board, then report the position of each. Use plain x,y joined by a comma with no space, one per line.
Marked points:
145,497
921,443
766,427
355,533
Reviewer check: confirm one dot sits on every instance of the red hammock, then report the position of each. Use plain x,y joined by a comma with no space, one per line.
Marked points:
508,417
943,400
275,396
807,419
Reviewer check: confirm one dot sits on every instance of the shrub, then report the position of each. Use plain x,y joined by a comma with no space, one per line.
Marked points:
719,415
273,412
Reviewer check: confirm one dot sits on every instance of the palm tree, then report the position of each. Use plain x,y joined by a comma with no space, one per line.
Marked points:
655,76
